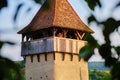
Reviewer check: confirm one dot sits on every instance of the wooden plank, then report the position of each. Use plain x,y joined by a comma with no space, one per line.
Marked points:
37,46
55,44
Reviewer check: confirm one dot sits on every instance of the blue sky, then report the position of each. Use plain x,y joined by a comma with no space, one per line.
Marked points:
9,29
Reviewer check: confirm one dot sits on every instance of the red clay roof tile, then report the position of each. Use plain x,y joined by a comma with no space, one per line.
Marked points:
59,14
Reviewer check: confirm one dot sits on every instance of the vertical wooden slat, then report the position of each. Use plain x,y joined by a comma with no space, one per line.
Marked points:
23,37
62,46
67,46
74,47
70,46
52,45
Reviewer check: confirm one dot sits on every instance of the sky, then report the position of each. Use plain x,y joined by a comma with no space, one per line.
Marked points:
8,30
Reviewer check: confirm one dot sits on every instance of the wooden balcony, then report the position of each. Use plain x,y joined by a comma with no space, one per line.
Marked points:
52,44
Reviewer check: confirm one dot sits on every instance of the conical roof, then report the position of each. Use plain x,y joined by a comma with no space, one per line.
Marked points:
56,13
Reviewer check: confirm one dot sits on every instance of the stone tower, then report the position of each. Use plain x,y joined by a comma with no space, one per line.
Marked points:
51,43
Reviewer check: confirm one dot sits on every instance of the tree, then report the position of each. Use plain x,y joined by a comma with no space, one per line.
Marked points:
109,26
9,70
99,75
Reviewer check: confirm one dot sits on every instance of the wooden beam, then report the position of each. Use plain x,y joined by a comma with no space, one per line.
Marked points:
65,32
54,31
83,35
77,36
80,37
23,36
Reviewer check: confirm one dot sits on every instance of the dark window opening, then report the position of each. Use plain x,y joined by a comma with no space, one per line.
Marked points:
71,34
43,33
49,32
59,33
38,35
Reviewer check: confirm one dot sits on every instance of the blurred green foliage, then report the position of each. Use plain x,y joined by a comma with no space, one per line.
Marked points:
109,26
9,70
3,3
99,75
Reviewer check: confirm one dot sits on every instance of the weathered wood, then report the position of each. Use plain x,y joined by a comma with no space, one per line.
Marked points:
83,35
23,37
80,37
52,44
65,32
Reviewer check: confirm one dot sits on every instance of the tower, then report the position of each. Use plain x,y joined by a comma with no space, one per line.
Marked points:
51,43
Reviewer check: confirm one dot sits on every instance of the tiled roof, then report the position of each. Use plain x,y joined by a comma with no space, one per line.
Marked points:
58,14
